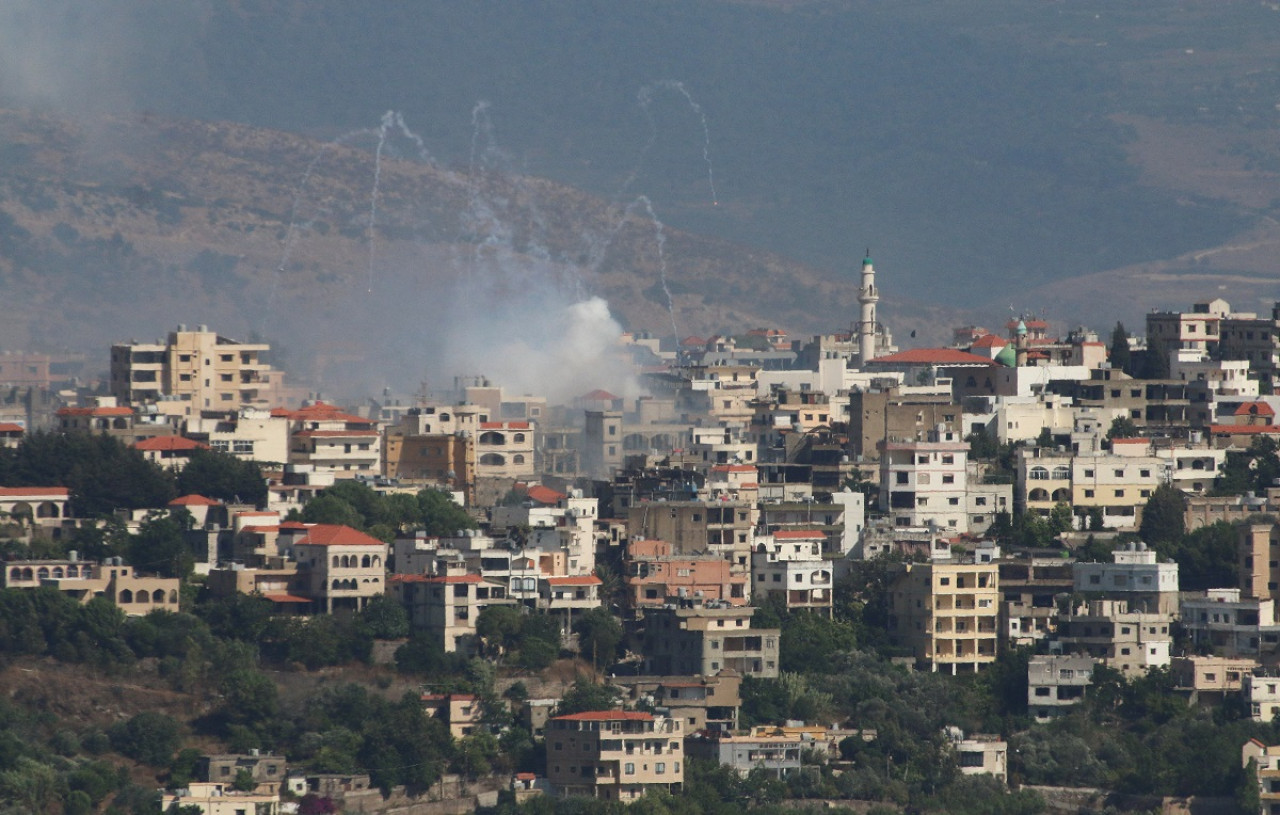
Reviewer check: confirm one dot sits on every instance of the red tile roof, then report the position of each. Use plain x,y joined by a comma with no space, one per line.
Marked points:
989,341
96,411
168,444
320,412
574,580
9,427
194,501
336,535
933,356
607,716
23,492
1255,409
1242,429
544,495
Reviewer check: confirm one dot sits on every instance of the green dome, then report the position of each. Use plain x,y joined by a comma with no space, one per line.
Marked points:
1022,328
1007,357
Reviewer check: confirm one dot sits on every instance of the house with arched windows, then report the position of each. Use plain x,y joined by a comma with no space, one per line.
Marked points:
112,579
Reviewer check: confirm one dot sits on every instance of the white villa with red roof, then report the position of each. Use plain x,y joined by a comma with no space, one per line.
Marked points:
338,567
328,438
170,452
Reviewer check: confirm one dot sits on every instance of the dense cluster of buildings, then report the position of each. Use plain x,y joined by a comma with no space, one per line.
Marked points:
753,470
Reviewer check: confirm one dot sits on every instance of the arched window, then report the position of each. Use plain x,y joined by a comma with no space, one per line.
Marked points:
366,562
1038,495
336,562
337,584
126,596
377,560
971,383
517,459
173,597
491,437
517,438
1061,472
72,571
1062,494
493,460
157,596
1038,473
15,573
27,574
346,561
42,573
57,571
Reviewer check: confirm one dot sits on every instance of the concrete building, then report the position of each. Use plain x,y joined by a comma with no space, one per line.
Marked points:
249,434
1230,624
654,577
1055,683
777,754
693,638
1262,692
219,799
1029,587
1107,630
1210,678
1266,760
789,566
725,528
1135,576
947,614
924,483
134,594
338,567
980,754
700,702
267,770
447,605
460,712
199,369
328,438
614,755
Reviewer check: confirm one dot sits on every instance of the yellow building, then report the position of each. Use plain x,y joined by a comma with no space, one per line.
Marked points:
947,613
201,369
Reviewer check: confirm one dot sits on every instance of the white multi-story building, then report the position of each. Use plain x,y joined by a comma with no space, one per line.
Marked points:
1263,695
789,565
1135,576
925,483
1131,642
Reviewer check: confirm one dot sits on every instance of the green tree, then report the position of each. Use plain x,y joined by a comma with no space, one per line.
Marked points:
326,508
1122,427
148,737
385,618
1164,516
599,634
224,477
244,781
1120,356
584,695
440,515
810,641
160,547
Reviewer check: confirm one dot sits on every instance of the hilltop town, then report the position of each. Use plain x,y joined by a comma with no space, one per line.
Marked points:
1028,571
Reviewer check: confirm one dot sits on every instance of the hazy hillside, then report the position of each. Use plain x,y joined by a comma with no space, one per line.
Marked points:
120,227
986,151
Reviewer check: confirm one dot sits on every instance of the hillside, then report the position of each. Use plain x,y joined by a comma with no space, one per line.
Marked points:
113,227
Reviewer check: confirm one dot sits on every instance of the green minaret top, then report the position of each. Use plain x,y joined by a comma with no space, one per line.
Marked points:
866,259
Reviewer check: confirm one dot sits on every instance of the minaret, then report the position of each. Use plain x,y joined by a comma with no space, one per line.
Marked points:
868,297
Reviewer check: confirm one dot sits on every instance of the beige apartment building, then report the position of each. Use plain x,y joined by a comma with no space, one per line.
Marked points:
696,639
947,613
614,755
201,369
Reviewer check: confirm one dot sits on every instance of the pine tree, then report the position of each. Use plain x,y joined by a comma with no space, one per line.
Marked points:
1121,358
